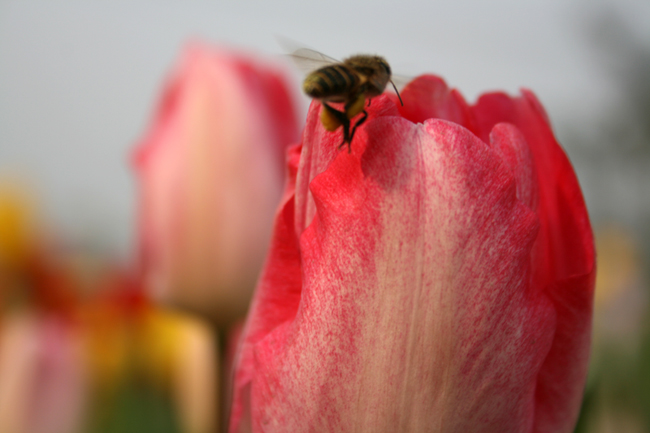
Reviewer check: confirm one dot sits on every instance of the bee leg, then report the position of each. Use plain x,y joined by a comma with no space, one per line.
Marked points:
346,136
359,123
369,101
341,119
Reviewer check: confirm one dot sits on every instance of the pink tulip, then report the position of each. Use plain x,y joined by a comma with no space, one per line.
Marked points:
437,279
210,171
42,375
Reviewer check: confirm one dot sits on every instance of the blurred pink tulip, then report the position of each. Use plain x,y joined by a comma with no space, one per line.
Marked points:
439,278
210,171
42,375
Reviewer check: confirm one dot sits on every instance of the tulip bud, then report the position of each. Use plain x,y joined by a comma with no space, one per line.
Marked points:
438,278
210,171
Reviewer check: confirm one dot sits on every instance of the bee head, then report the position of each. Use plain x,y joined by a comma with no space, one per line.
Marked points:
385,65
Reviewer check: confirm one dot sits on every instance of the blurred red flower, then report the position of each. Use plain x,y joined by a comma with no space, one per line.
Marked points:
210,172
438,278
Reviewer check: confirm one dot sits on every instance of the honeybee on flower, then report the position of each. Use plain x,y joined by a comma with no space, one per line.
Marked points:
353,81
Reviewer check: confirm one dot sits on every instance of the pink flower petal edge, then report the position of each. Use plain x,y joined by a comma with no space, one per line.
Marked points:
439,278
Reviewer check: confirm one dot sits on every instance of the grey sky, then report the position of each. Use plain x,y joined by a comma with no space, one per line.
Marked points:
79,80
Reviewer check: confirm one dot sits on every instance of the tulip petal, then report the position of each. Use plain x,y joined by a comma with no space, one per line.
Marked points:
428,97
415,290
564,257
438,278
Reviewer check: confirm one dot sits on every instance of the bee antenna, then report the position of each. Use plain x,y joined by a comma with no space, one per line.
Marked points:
394,87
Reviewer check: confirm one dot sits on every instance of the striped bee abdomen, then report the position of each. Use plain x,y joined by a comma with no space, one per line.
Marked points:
334,82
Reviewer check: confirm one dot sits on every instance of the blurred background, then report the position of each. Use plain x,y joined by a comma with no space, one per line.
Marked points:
80,81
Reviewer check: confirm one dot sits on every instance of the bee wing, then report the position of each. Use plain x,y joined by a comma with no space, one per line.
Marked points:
306,59
309,60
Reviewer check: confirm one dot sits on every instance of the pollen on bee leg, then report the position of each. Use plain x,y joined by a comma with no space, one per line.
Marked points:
329,118
356,107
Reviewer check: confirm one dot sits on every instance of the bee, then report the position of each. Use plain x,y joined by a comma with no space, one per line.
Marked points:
350,82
